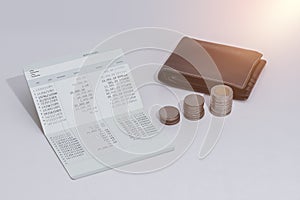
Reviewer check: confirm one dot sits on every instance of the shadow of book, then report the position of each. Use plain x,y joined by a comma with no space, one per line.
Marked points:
20,88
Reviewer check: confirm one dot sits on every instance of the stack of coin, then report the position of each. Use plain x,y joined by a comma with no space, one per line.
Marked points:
193,107
221,100
169,115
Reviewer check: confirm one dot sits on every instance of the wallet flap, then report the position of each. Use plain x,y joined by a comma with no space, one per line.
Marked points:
234,65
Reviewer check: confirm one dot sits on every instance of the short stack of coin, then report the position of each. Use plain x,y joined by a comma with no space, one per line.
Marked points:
221,100
169,115
193,107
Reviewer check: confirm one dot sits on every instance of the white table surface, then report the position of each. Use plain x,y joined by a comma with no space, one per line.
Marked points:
257,156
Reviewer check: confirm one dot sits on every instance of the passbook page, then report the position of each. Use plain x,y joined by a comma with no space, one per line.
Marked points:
92,114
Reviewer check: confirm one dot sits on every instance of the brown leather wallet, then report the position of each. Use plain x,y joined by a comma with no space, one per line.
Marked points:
199,65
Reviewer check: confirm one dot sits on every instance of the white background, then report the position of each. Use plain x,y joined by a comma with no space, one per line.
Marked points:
258,154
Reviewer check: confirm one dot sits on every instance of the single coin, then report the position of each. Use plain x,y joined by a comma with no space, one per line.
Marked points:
169,115
193,100
222,91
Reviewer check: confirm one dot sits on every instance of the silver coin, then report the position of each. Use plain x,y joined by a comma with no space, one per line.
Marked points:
222,91
194,100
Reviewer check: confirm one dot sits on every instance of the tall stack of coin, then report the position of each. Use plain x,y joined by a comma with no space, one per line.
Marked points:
193,107
221,100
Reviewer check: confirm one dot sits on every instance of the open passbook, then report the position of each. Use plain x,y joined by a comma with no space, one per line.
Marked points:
92,114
